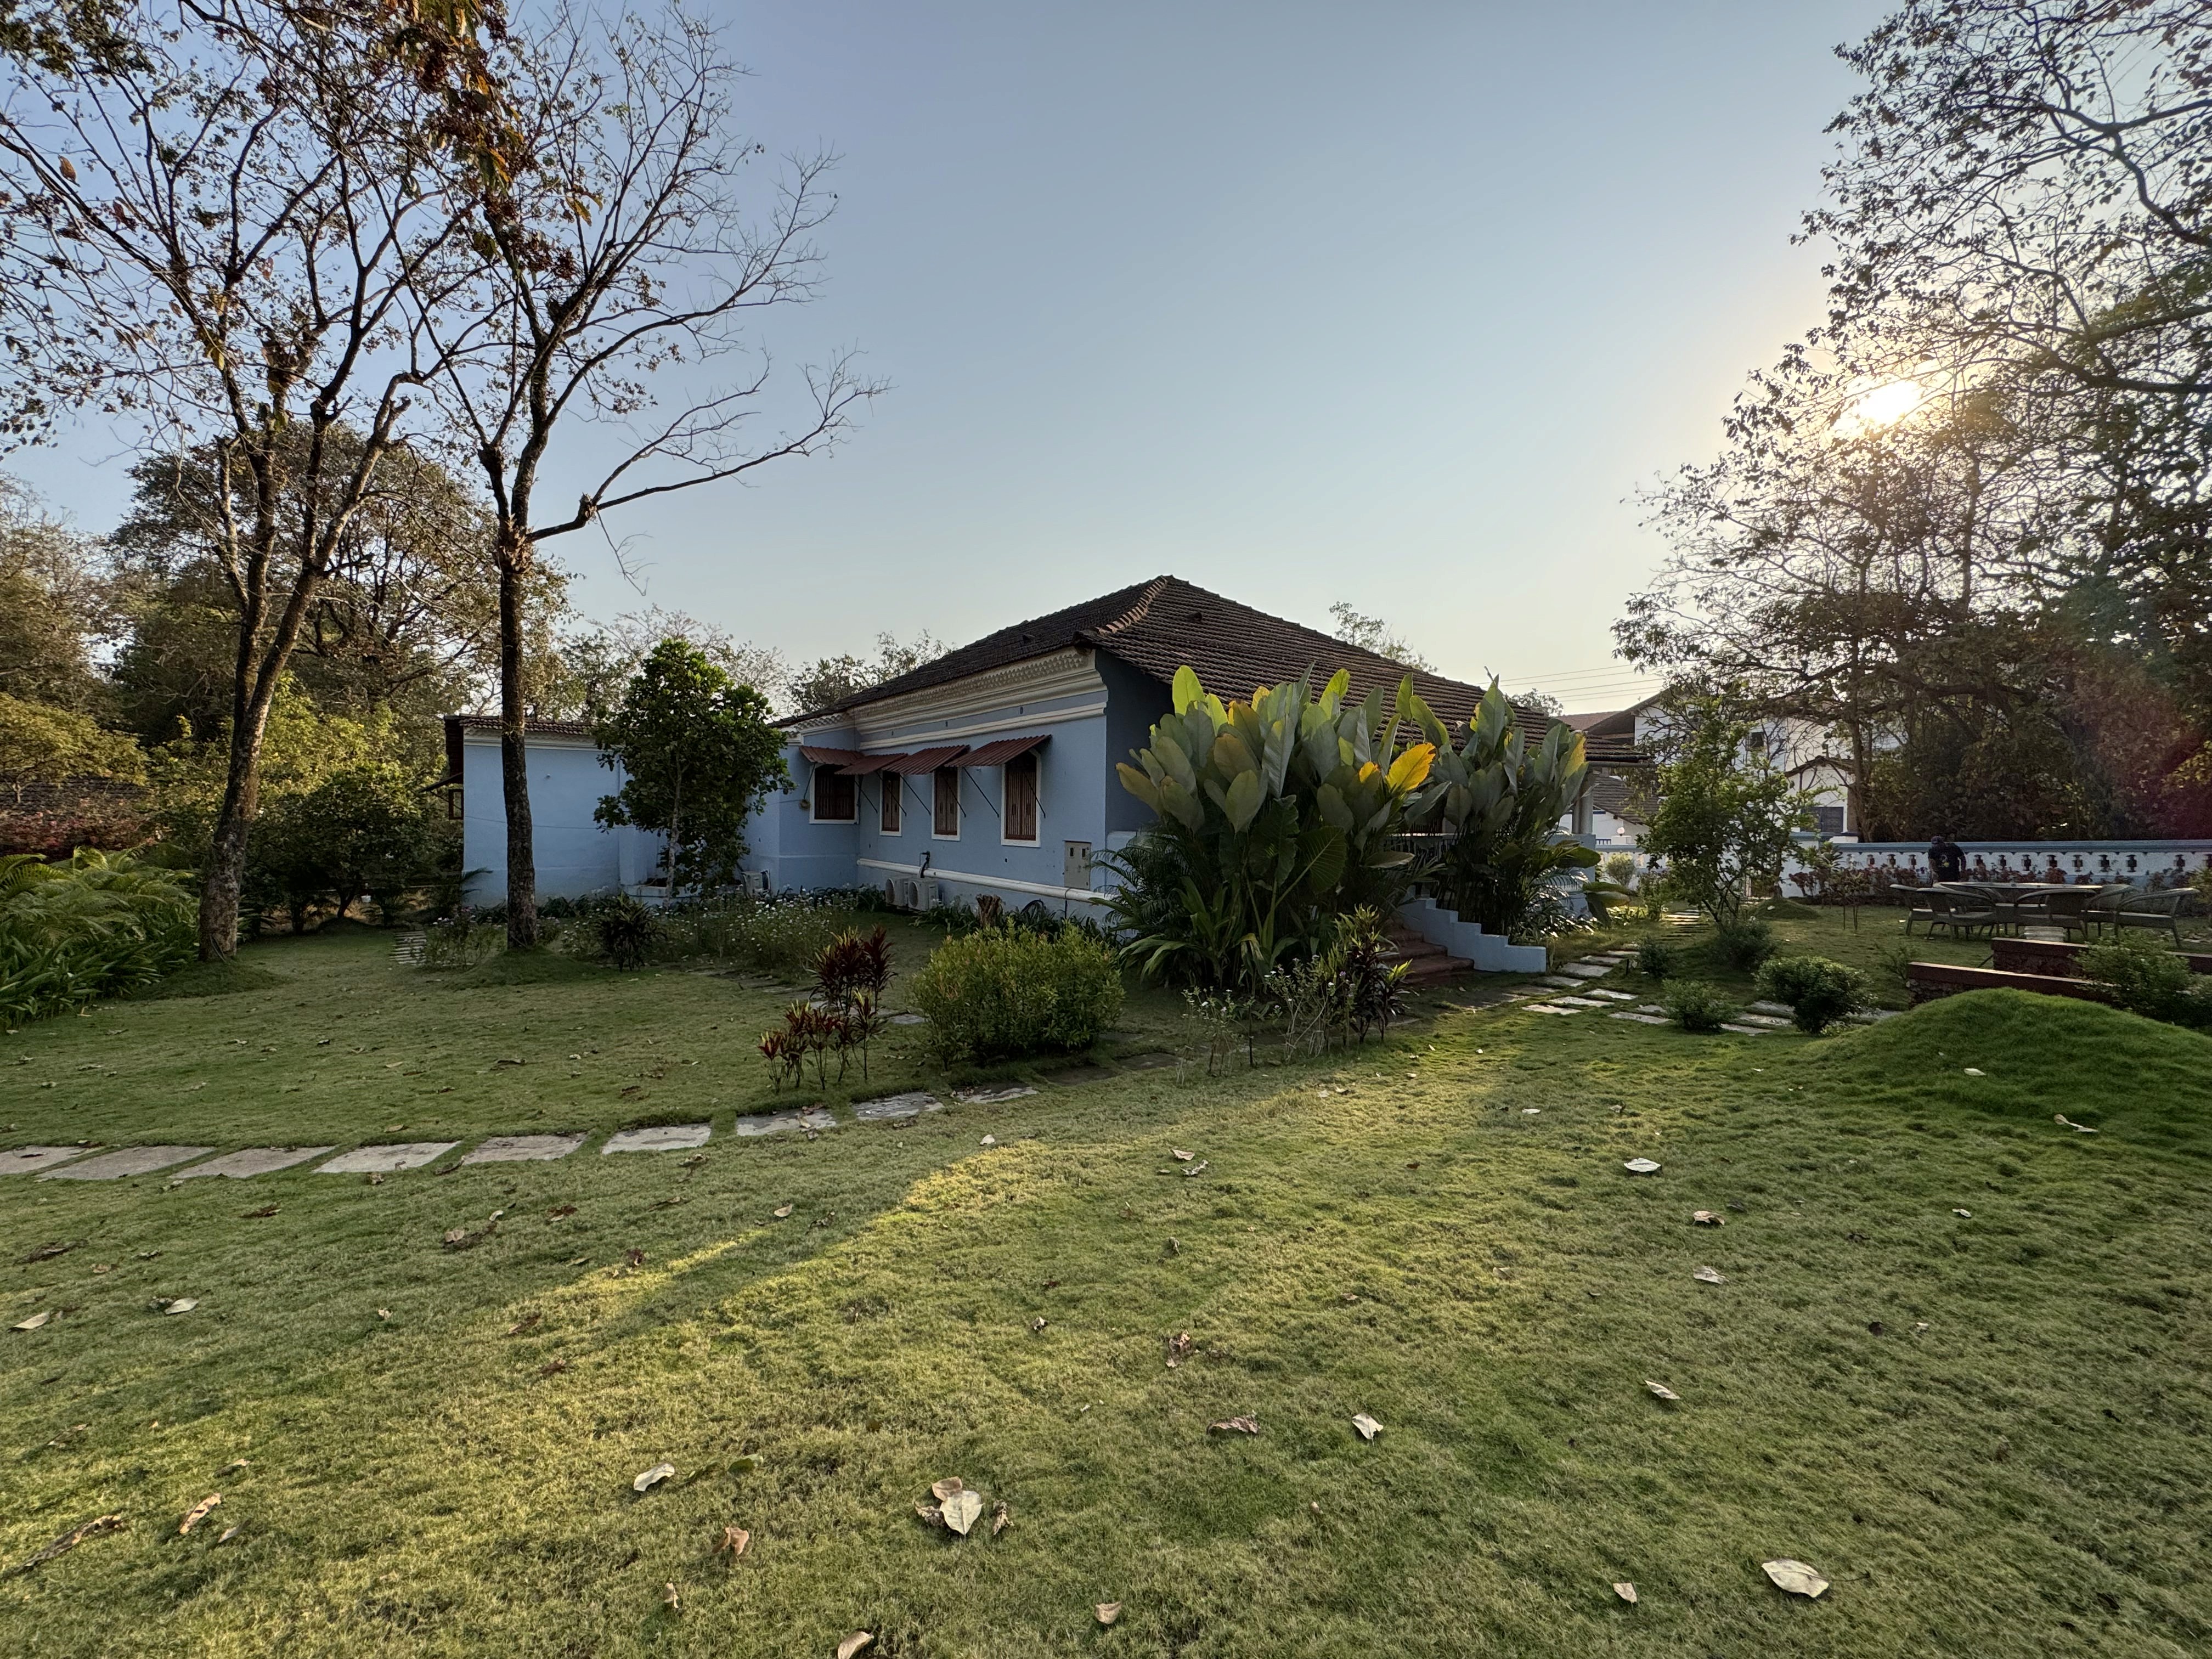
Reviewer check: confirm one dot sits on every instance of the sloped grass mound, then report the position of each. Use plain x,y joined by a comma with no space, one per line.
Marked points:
209,979
2038,1056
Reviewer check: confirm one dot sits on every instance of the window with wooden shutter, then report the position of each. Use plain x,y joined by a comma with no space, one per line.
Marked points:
1021,798
948,801
894,790
834,798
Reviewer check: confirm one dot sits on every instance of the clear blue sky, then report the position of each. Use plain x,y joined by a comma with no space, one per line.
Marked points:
1389,303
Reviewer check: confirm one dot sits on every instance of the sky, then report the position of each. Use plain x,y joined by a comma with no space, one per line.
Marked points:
1393,304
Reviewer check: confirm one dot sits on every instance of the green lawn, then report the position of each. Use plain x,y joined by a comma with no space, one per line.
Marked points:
1988,1431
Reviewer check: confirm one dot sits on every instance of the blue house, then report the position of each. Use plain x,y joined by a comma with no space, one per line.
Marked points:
989,770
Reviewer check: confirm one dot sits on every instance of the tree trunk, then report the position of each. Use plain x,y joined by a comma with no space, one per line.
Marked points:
225,876
513,757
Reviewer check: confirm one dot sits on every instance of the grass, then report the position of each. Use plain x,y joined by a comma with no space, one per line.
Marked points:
1986,1430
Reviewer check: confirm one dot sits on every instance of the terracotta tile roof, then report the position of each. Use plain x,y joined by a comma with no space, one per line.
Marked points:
1158,626
530,728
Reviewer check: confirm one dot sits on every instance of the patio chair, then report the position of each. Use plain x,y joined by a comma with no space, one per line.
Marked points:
2062,907
2103,909
2141,907
1962,913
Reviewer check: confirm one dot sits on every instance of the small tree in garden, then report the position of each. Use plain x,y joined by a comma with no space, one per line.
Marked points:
1726,820
700,758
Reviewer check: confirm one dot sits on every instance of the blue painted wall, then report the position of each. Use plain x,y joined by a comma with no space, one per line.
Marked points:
575,855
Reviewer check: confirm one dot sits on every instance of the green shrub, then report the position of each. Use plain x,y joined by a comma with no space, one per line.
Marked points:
1745,943
460,940
2146,977
997,992
100,924
626,933
784,936
1697,1006
1654,958
1819,992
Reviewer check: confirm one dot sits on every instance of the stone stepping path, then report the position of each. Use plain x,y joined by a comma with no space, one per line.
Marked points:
660,1138
913,1103
1560,981
1585,970
386,1159
770,1123
252,1161
1641,1019
29,1160
991,1096
1576,1002
1600,991
126,1161
523,1149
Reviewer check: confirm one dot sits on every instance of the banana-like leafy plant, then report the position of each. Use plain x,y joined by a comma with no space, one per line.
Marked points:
1275,815
1499,799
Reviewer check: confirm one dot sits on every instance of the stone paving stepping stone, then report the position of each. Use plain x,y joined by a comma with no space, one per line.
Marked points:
1562,982
909,1019
1584,969
769,1123
991,1096
1577,1002
25,1160
523,1149
1873,1016
1781,1008
913,1103
1767,1020
1641,1019
1650,1007
126,1161
386,1158
1617,996
252,1161
1547,1008
660,1138
1748,1030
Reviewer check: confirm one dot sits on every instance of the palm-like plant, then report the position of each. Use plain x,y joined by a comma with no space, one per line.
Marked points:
1500,799
1274,815
99,924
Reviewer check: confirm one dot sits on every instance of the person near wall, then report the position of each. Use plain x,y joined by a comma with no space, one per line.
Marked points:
1946,862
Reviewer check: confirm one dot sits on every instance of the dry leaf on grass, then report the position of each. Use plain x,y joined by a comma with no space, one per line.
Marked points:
1197,1169
1708,1219
553,1368
1708,1276
858,1641
1108,1612
1037,1324
931,1515
528,1322
183,1305
1000,1517
2078,1129
1641,1166
670,1595
1660,1390
47,1253
35,1321
1625,1590
1368,1427
256,1215
782,1210
1795,1576
1178,1349
734,1540
634,1257
653,1477
989,1140
69,1540
1233,1425
229,1533
1967,1215
963,1509
199,1512
1976,1071
1180,1155
560,1209
941,1489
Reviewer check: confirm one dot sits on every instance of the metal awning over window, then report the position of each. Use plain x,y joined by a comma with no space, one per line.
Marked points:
925,760
871,763
836,759
1006,749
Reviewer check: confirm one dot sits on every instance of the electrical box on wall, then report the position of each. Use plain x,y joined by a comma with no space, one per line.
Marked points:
1075,865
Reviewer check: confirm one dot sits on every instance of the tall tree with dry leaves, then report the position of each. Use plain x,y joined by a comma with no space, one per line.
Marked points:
632,253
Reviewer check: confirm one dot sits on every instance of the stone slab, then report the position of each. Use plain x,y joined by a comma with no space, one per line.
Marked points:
251,1161
992,1096
1584,969
1781,1008
909,1019
1617,996
29,1160
913,1103
126,1161
1767,1020
1874,1016
386,1158
1641,1019
523,1149
660,1138
770,1123
1577,1002
1547,1008
1561,981
1748,1030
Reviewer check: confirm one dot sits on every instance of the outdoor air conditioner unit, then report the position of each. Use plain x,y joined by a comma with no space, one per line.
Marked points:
910,895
